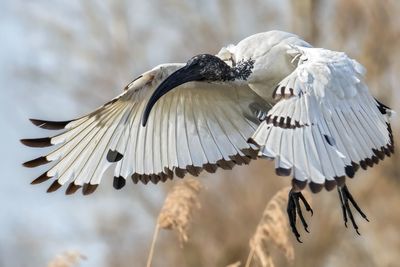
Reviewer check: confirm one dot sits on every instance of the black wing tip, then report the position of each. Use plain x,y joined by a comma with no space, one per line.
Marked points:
36,162
194,170
210,167
330,185
72,188
315,188
154,178
114,156
119,182
298,185
222,163
54,187
340,180
42,178
50,125
37,142
88,189
282,171
349,170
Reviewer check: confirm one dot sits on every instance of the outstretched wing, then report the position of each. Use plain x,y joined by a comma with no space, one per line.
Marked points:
204,126
325,124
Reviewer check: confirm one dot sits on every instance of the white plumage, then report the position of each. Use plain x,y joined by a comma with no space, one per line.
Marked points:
340,125
307,108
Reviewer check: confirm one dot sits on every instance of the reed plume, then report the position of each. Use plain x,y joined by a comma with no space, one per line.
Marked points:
273,229
67,259
177,211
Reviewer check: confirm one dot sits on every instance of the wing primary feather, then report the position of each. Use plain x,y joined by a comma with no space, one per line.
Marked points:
121,170
124,141
42,178
83,157
182,144
79,142
88,189
54,187
72,188
50,125
105,148
36,162
157,137
193,135
211,149
37,142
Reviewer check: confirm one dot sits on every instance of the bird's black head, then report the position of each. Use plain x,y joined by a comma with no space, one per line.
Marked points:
203,67
209,68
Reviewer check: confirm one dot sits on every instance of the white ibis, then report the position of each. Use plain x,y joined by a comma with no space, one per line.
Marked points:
271,96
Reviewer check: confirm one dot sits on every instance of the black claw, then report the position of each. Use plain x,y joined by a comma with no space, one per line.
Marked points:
343,207
294,209
346,198
354,203
306,205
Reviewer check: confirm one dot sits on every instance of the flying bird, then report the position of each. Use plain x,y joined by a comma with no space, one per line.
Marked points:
271,96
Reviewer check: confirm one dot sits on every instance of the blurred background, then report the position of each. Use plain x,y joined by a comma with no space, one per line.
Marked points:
60,59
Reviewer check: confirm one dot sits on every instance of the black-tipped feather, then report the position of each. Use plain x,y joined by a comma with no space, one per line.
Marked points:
144,179
50,125
36,162
119,182
89,188
37,142
195,171
298,185
349,170
330,185
72,188
283,171
315,188
114,156
135,178
42,178
154,178
54,186
340,180
209,167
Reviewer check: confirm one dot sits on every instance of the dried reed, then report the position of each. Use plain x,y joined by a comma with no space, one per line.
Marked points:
273,229
67,259
177,211
235,264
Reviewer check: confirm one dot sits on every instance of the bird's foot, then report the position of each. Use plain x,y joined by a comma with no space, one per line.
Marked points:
294,209
345,199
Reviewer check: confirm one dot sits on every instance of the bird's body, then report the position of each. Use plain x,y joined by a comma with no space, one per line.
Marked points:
272,95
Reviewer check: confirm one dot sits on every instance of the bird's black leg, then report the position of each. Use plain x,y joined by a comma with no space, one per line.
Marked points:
294,209
346,198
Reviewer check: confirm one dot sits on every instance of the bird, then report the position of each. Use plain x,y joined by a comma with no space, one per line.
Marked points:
271,96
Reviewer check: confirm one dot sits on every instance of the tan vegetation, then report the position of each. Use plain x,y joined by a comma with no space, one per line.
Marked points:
177,211
273,229
70,258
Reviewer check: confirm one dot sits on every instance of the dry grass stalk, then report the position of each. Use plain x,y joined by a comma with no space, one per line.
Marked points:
67,259
177,211
273,229
178,207
235,264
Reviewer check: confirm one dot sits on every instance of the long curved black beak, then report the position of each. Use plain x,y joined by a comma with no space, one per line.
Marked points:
183,75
